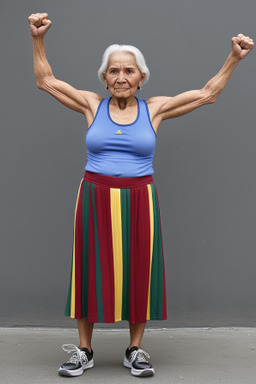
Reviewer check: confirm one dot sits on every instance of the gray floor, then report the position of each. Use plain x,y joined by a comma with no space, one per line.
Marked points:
185,356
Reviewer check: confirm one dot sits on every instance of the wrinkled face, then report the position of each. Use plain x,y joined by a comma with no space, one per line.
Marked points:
123,75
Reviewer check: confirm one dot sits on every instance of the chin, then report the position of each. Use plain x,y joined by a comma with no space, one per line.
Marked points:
123,93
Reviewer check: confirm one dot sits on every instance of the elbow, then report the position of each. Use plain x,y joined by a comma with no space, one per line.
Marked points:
39,84
43,82
212,99
208,96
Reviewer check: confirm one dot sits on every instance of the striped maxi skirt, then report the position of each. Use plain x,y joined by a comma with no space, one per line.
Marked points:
117,269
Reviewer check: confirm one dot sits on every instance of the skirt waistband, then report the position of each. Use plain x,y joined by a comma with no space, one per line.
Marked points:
117,182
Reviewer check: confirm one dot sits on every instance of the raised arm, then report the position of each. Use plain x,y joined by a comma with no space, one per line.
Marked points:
162,108
80,101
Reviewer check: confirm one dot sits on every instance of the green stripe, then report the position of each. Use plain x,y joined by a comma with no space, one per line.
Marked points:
67,309
85,277
126,240
156,289
97,261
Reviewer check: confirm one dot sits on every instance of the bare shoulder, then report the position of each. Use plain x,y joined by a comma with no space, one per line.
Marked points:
156,103
91,97
92,100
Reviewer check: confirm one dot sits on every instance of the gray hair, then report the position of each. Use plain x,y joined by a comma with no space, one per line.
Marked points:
140,60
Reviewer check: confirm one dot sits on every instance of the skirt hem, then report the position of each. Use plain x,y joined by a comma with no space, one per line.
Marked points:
116,321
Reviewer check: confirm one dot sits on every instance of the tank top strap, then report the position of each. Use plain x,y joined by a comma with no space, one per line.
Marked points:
144,113
143,109
102,108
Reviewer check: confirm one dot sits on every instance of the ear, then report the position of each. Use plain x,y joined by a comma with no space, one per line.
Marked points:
104,77
143,77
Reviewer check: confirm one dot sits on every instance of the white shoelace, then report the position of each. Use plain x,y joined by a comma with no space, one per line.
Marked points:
141,356
77,354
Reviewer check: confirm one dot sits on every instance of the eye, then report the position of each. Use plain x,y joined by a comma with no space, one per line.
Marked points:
129,71
112,71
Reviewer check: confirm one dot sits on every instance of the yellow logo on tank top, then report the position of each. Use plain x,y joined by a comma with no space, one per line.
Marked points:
119,132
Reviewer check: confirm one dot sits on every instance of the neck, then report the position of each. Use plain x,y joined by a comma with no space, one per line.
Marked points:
122,102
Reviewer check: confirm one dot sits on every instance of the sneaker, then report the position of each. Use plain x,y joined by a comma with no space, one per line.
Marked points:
136,359
80,360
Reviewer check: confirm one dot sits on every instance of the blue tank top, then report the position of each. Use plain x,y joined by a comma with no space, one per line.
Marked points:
122,150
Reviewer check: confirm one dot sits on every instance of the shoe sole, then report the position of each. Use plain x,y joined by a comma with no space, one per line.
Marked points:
76,372
139,372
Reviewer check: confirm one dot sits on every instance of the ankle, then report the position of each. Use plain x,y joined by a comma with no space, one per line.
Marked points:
85,346
134,345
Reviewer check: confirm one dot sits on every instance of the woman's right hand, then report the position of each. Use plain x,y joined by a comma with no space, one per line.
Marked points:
39,24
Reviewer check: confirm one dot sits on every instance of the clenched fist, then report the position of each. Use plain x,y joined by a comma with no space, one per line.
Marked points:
39,24
242,45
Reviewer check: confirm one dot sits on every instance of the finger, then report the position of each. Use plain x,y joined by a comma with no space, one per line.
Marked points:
43,15
33,19
247,43
40,17
48,25
243,36
47,22
246,40
250,45
32,16
236,39
38,23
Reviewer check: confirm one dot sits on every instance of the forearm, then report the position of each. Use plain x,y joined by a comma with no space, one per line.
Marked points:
215,85
42,68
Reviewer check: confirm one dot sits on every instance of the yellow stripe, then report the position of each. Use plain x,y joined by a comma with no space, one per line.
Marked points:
115,202
73,287
151,215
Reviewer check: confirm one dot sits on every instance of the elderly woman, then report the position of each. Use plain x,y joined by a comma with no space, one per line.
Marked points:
117,270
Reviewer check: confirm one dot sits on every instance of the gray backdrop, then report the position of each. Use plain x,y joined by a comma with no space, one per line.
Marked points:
204,163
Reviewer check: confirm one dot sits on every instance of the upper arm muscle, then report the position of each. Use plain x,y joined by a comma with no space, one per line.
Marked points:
66,94
169,107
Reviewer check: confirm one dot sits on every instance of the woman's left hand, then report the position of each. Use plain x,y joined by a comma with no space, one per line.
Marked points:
241,45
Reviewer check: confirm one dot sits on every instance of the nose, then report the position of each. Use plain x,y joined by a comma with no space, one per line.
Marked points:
121,77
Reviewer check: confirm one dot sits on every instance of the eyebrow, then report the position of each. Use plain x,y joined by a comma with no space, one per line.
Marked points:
127,67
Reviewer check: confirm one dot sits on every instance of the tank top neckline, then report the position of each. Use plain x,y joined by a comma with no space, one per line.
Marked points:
124,125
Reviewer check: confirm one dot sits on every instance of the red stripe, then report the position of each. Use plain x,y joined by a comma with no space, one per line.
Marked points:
102,198
140,254
78,254
92,294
